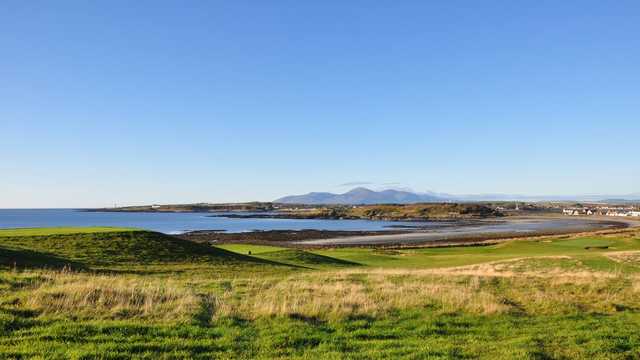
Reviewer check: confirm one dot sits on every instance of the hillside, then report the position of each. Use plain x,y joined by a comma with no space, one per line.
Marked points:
432,211
105,247
422,211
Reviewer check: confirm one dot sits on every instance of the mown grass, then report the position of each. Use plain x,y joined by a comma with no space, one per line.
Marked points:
306,259
158,297
250,249
585,247
61,231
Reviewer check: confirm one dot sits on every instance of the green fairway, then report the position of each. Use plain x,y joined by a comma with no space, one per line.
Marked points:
120,293
306,259
588,248
61,231
249,249
459,256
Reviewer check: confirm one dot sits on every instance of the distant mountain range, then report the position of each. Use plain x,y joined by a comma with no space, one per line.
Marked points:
360,195
365,196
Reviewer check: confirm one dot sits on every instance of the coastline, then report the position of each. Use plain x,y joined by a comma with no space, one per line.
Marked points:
479,232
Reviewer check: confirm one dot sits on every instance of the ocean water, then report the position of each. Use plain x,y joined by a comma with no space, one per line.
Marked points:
175,223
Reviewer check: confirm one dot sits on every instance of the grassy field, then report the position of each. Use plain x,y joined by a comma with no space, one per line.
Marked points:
121,293
59,231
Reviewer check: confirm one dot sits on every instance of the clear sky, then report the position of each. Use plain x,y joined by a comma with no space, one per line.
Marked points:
130,102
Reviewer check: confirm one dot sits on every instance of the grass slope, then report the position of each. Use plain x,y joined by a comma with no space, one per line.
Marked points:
24,258
305,259
108,248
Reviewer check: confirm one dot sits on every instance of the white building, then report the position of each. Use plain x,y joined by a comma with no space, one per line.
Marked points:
617,213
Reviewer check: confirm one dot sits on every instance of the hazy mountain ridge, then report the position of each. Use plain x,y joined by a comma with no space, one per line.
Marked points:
365,196
360,195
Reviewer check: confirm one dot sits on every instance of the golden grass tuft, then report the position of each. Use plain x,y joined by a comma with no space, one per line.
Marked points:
346,293
101,296
627,257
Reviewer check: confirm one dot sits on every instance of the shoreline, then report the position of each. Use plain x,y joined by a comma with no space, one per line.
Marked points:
291,216
471,235
276,237
475,233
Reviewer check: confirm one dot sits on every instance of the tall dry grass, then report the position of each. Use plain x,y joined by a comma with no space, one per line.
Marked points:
341,294
375,292
101,296
476,290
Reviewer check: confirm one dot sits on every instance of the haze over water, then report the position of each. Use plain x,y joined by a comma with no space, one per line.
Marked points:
171,223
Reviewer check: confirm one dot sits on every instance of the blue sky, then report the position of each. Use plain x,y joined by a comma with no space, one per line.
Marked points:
151,101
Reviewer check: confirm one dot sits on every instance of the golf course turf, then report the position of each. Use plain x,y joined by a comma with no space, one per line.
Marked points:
110,293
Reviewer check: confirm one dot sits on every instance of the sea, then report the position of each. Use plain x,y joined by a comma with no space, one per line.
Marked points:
177,223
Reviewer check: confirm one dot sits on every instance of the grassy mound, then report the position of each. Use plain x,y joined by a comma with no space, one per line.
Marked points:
305,259
32,259
107,247
287,256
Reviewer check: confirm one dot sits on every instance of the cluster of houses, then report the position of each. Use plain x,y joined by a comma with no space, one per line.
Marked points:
601,210
623,213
